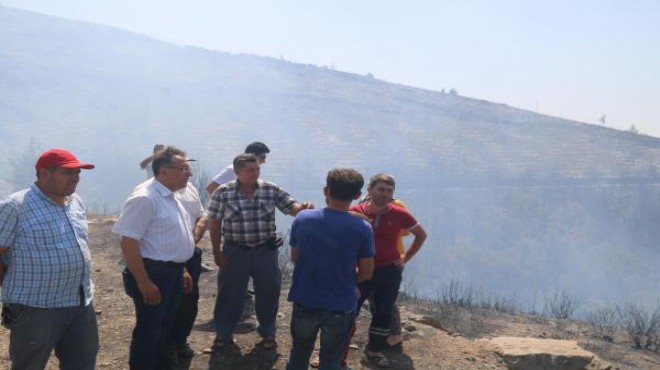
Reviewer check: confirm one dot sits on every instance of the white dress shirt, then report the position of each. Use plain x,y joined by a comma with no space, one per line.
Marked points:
153,216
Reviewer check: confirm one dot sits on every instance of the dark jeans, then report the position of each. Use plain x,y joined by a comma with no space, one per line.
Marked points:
384,285
34,332
188,303
262,265
335,332
154,322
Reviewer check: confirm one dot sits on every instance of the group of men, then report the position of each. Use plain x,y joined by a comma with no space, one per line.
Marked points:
342,255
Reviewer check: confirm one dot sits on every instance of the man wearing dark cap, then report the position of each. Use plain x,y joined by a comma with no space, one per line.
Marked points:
45,262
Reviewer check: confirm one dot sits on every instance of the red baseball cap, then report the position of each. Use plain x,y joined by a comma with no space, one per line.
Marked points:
60,158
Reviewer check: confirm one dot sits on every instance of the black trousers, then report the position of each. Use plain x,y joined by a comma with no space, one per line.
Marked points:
188,304
384,286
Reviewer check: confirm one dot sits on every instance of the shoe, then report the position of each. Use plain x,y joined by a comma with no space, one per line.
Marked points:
315,362
378,358
220,343
207,268
267,344
185,351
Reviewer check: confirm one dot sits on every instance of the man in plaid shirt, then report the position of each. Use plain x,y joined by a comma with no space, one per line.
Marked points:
242,212
46,265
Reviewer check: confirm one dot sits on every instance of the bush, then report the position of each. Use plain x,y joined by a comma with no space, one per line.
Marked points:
642,327
561,305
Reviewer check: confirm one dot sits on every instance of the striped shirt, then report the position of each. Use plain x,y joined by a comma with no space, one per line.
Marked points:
249,221
47,257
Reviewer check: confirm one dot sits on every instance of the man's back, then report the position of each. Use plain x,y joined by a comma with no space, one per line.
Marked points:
329,243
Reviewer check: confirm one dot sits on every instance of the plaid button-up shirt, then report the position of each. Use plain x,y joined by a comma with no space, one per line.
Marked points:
47,258
248,221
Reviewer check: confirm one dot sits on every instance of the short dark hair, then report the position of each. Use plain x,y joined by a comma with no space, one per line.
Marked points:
165,157
242,159
382,177
344,183
257,148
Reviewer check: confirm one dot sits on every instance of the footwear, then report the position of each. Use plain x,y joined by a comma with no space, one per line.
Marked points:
185,351
315,362
220,343
378,358
207,268
267,344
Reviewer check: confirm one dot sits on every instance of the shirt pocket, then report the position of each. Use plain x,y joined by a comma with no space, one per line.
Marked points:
43,234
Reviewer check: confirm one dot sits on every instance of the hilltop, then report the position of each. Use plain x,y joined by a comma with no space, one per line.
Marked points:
516,202
430,344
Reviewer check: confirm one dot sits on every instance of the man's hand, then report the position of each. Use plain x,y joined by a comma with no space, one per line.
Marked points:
306,205
220,259
187,282
150,292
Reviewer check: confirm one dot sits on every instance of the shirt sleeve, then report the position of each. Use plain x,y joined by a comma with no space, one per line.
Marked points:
283,200
8,221
216,207
408,221
135,218
227,174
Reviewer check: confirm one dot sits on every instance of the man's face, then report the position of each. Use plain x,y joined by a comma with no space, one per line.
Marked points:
249,174
58,181
176,174
381,193
262,158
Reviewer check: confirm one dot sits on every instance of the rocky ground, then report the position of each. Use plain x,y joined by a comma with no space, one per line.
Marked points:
428,345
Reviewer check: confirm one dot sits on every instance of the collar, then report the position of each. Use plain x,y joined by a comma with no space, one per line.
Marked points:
45,197
163,190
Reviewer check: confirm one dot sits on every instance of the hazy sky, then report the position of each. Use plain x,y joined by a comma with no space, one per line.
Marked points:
574,59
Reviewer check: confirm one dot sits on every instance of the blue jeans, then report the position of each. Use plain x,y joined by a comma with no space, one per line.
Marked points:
35,332
335,332
262,265
154,322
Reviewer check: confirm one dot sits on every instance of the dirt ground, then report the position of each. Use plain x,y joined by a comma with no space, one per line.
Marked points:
426,347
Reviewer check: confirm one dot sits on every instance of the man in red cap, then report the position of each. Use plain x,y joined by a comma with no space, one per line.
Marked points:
45,262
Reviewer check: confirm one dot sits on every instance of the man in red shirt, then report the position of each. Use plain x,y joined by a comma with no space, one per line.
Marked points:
387,221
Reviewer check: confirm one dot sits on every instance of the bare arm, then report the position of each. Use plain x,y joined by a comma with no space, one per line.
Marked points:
145,162
297,207
2,266
131,250
216,242
365,269
419,237
200,228
294,254
211,187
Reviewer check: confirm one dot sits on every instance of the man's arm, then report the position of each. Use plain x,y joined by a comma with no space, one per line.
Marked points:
145,162
131,250
200,228
294,254
419,237
297,207
2,266
216,243
211,187
365,269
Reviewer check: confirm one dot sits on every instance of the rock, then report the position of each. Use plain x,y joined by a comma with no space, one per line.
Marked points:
410,327
541,354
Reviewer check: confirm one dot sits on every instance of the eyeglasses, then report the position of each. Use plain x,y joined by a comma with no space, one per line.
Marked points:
184,168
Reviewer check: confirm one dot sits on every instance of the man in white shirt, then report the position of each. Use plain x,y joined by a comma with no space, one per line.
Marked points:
227,174
156,241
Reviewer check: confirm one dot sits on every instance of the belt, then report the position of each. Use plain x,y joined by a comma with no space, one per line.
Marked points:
246,247
170,264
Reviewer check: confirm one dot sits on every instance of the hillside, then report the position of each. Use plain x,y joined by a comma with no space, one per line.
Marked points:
516,203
